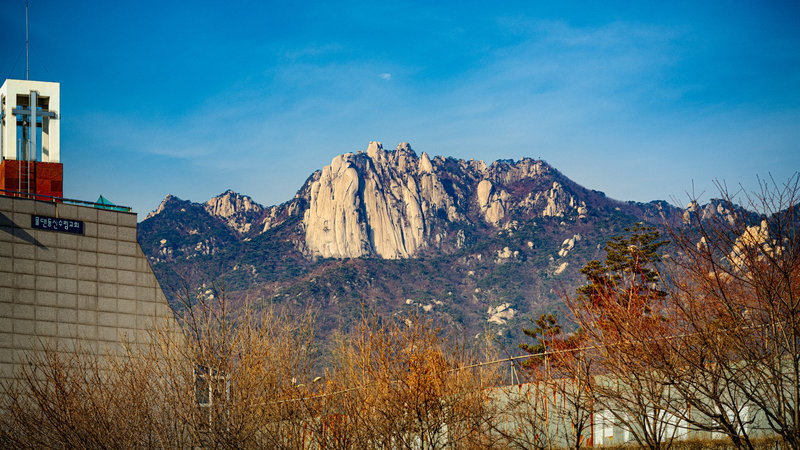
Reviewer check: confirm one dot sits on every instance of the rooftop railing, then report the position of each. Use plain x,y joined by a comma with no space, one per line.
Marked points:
68,201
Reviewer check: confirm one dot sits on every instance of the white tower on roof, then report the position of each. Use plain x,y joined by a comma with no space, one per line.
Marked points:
30,136
29,121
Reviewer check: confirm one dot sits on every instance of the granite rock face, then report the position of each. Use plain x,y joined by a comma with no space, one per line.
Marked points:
715,209
394,204
374,203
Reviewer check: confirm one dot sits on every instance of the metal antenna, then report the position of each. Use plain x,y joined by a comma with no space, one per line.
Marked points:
27,57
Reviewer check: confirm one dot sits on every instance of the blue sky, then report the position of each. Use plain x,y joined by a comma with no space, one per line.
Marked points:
640,100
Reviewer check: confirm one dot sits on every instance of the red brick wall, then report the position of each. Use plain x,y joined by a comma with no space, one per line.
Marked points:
46,178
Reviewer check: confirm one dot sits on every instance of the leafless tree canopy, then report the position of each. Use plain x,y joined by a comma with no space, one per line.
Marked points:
253,378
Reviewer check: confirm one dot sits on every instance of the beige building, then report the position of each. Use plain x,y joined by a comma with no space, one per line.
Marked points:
72,274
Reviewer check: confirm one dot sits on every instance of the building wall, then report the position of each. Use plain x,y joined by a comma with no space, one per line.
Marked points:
540,415
94,290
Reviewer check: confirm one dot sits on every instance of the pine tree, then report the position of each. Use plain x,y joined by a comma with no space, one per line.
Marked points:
546,328
629,274
548,336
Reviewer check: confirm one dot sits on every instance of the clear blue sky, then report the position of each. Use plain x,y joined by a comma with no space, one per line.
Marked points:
637,99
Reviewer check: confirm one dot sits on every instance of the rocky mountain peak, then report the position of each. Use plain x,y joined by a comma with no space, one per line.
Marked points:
425,165
715,209
394,204
169,198
375,150
234,209
230,203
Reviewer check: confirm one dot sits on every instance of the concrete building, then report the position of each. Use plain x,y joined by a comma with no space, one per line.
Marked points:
72,273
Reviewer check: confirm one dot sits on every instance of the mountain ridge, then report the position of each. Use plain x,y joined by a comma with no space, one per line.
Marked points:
496,189
479,246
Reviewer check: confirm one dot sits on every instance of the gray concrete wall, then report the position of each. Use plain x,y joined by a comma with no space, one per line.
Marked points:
93,290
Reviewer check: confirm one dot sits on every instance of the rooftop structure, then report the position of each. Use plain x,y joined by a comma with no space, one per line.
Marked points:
30,138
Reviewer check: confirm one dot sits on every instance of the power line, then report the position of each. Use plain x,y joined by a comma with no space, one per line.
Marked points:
509,359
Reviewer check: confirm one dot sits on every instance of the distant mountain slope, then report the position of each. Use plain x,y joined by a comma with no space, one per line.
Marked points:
477,246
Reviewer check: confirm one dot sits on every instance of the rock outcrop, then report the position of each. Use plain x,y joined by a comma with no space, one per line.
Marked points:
160,208
394,204
236,210
375,203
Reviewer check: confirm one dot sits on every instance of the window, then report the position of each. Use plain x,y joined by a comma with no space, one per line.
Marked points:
674,427
211,387
603,428
743,419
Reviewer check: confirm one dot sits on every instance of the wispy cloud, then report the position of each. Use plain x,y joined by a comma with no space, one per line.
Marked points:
603,101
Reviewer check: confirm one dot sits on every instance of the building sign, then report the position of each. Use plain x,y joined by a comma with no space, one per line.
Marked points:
56,224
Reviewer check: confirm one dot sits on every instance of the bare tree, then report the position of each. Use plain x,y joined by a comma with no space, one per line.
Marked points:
621,311
226,378
77,400
736,289
402,385
560,371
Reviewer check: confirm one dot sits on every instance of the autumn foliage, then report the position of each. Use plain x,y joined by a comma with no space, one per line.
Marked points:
253,377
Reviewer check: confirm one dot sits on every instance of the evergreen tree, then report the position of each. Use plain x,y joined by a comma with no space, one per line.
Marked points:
629,271
546,328
628,277
548,336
